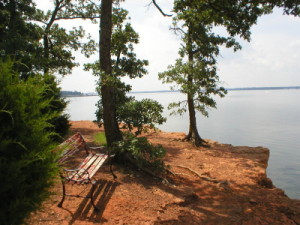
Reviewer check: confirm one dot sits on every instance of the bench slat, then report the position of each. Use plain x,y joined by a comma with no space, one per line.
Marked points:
77,175
70,146
97,164
87,168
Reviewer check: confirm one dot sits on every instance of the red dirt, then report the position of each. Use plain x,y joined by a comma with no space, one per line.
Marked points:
222,184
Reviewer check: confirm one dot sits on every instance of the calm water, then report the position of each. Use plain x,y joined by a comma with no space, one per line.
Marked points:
252,118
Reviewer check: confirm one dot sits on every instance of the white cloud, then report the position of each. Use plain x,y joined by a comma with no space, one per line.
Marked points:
271,58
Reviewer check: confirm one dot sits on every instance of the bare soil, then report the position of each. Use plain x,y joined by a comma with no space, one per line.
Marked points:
222,184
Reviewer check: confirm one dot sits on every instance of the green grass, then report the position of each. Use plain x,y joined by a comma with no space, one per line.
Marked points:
100,138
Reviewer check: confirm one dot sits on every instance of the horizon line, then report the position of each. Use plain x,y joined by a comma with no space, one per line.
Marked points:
228,89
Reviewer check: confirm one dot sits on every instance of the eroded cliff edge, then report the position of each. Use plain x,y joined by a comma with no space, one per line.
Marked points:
238,190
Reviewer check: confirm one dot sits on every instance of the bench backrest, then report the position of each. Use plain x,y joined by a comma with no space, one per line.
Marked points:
71,146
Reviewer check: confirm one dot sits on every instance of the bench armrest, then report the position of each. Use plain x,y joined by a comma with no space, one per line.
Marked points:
73,170
97,147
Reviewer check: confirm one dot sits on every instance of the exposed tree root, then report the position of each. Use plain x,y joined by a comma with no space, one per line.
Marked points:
197,141
206,178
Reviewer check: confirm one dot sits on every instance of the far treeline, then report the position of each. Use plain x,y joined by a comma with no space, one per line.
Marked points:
34,48
75,94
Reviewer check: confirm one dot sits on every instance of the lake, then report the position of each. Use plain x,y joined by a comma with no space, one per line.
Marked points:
268,118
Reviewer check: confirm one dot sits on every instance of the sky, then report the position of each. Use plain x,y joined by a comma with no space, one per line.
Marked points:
272,58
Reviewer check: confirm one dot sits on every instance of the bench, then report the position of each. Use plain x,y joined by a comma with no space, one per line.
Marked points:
86,170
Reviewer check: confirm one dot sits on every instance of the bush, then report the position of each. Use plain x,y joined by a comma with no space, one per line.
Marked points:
141,153
141,115
136,115
27,163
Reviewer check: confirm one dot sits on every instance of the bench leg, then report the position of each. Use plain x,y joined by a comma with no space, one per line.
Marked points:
111,170
92,194
63,194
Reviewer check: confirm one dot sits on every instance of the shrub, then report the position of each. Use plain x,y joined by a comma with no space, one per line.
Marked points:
136,115
27,163
140,152
141,115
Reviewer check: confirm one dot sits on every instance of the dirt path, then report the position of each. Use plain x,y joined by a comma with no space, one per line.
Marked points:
219,185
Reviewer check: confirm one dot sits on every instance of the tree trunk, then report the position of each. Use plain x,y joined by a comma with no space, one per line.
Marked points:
46,53
111,127
193,134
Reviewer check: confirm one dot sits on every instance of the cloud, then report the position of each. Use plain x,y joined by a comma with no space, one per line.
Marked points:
270,59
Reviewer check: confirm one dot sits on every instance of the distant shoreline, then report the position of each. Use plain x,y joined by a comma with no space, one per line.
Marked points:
80,94
228,89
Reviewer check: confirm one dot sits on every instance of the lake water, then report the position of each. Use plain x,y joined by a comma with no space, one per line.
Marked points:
253,118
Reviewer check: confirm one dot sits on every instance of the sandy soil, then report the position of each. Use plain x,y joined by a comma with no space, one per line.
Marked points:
222,184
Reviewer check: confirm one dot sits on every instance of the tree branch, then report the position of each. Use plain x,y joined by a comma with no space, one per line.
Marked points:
40,21
161,11
78,17
176,29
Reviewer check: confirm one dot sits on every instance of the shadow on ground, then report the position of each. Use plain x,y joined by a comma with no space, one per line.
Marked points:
85,212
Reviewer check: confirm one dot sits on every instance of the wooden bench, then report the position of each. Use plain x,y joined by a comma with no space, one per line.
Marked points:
86,170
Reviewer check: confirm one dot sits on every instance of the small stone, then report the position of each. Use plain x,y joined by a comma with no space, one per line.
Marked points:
248,210
253,202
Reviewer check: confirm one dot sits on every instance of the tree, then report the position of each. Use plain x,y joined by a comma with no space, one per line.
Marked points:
195,72
130,112
112,131
27,162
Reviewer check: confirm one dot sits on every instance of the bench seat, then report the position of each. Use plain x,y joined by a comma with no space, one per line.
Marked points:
86,169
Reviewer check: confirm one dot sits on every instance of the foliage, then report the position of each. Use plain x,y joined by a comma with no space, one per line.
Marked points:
137,114
133,114
58,43
141,153
27,163
100,138
57,104
21,41
124,60
19,38
203,85
35,38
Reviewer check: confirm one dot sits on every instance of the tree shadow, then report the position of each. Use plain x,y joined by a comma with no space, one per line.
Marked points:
206,202
102,194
